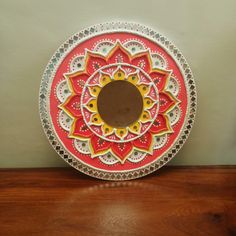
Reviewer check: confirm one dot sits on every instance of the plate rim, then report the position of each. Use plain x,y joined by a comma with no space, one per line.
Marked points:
62,52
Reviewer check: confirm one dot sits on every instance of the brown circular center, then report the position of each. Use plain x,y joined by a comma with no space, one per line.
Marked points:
120,103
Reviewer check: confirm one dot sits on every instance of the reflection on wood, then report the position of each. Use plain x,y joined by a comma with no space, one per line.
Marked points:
174,201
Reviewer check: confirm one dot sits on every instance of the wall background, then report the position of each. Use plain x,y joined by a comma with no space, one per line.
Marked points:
30,32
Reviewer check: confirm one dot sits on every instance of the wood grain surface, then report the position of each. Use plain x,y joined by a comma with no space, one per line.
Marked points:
172,201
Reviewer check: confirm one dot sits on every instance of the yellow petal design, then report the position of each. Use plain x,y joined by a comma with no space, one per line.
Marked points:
94,91
107,130
119,75
105,79
133,78
92,105
143,88
96,119
135,128
147,103
121,132
145,117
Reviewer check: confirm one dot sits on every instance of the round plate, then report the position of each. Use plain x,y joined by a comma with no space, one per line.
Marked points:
117,101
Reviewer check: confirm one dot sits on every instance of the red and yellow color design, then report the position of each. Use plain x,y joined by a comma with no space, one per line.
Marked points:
79,130
121,149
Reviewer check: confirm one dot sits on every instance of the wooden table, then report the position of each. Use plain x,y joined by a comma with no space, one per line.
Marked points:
172,201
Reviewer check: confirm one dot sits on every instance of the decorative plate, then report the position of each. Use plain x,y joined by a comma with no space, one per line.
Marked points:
117,101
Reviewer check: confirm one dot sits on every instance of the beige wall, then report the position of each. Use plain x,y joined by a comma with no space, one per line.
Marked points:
30,31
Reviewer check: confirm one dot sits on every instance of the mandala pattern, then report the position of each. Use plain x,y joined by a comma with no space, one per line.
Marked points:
75,88
82,105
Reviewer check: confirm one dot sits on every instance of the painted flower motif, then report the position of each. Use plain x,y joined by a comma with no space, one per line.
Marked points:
86,86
